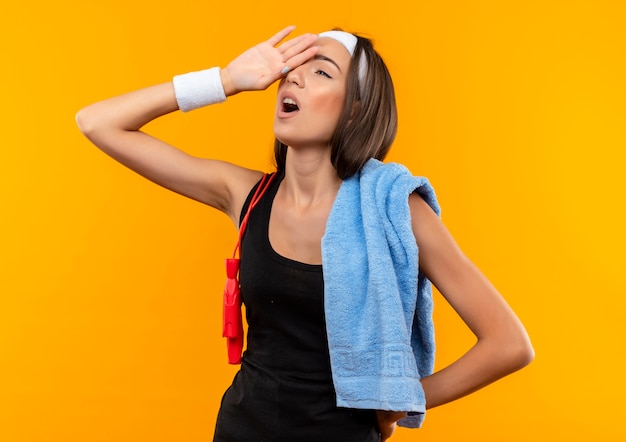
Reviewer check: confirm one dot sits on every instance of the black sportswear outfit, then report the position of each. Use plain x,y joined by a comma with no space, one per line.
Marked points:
284,391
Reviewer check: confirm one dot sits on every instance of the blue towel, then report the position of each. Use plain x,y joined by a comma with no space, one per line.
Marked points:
378,306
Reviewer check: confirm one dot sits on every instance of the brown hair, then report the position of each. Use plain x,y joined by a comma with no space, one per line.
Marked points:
369,121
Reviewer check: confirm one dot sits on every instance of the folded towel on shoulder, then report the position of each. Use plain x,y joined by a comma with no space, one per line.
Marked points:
378,305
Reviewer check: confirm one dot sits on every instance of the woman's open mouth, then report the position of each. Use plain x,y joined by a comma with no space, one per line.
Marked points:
289,105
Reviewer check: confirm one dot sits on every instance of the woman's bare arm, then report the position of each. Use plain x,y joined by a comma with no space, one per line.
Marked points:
114,126
502,346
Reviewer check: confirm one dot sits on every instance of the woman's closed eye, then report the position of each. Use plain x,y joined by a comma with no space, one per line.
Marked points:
323,73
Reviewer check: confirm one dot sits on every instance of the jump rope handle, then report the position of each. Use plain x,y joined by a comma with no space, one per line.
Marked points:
232,328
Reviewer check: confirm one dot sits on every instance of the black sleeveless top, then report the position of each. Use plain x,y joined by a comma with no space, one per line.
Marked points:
284,301
284,391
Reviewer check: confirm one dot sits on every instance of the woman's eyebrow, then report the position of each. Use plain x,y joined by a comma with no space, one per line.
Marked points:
324,58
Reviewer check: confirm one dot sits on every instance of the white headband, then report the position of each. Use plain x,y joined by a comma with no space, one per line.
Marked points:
349,42
346,39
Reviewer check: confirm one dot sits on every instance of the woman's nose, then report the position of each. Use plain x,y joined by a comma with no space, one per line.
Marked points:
295,76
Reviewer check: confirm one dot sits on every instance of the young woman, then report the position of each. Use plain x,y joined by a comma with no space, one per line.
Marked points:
339,342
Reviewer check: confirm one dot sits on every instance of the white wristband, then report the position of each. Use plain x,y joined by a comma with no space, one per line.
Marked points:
198,89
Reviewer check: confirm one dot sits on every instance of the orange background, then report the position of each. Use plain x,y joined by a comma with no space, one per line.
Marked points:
111,287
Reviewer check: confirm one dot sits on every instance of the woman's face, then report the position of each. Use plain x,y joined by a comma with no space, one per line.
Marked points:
311,97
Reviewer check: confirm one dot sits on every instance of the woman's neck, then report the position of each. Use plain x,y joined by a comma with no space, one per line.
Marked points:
310,178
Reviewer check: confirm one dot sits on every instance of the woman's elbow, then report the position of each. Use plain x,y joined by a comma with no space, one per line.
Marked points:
85,121
519,352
